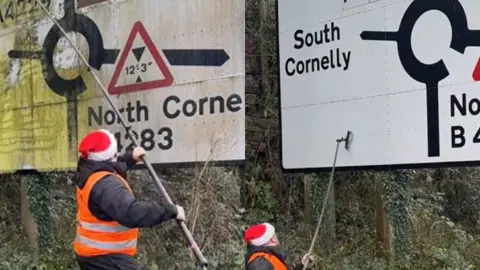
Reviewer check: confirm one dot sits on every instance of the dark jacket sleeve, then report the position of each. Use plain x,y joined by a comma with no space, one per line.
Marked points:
113,197
128,159
260,264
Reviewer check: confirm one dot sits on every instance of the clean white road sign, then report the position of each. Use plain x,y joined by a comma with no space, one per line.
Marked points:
401,75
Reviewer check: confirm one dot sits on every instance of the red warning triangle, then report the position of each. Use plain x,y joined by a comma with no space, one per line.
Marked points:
140,85
476,71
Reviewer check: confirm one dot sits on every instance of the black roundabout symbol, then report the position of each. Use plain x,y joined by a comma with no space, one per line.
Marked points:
429,74
70,89
98,55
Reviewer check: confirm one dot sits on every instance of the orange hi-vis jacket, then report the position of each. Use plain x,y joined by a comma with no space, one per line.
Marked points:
96,237
274,261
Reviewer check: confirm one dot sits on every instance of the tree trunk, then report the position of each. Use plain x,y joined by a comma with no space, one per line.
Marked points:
27,218
264,51
384,230
307,200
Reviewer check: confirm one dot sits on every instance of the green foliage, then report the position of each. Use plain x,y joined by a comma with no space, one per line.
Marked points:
56,259
264,208
461,193
395,186
39,187
319,190
214,228
16,260
362,259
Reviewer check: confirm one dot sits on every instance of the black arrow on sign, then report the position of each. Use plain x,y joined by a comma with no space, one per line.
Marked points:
207,57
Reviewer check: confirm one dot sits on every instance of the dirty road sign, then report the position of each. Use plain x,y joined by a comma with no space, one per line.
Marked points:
186,106
402,76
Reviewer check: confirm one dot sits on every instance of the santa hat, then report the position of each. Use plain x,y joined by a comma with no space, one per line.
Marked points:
98,145
259,234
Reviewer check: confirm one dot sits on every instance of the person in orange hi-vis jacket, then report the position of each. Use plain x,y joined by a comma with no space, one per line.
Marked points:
263,250
108,215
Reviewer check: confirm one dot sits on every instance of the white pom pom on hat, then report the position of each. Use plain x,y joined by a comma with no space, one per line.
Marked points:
98,145
259,234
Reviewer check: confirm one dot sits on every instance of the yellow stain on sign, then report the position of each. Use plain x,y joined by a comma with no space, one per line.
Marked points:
33,119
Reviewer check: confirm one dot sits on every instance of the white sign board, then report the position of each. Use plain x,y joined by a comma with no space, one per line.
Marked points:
175,69
401,75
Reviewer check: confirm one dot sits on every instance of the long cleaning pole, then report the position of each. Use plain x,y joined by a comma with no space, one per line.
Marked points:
348,139
188,235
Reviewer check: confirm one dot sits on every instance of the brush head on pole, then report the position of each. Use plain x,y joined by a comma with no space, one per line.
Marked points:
348,140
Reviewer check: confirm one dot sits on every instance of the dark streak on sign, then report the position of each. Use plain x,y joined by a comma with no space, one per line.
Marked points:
85,3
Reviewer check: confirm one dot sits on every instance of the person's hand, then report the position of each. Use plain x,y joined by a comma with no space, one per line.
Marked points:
180,213
307,259
138,153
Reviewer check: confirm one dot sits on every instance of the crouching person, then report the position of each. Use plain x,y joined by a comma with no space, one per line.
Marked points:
264,251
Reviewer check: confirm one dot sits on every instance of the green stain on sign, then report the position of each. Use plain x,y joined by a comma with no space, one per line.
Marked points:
16,12
32,117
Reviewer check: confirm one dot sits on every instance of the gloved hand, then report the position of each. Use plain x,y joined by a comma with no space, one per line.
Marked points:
138,153
180,213
308,258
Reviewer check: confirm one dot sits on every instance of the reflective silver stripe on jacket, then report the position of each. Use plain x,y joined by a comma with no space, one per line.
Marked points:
106,245
103,228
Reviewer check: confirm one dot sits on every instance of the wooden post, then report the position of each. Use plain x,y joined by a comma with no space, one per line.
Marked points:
307,200
243,190
330,219
27,218
384,230
264,50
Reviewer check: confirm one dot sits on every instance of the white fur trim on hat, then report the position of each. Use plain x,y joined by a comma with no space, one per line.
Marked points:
269,233
109,152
